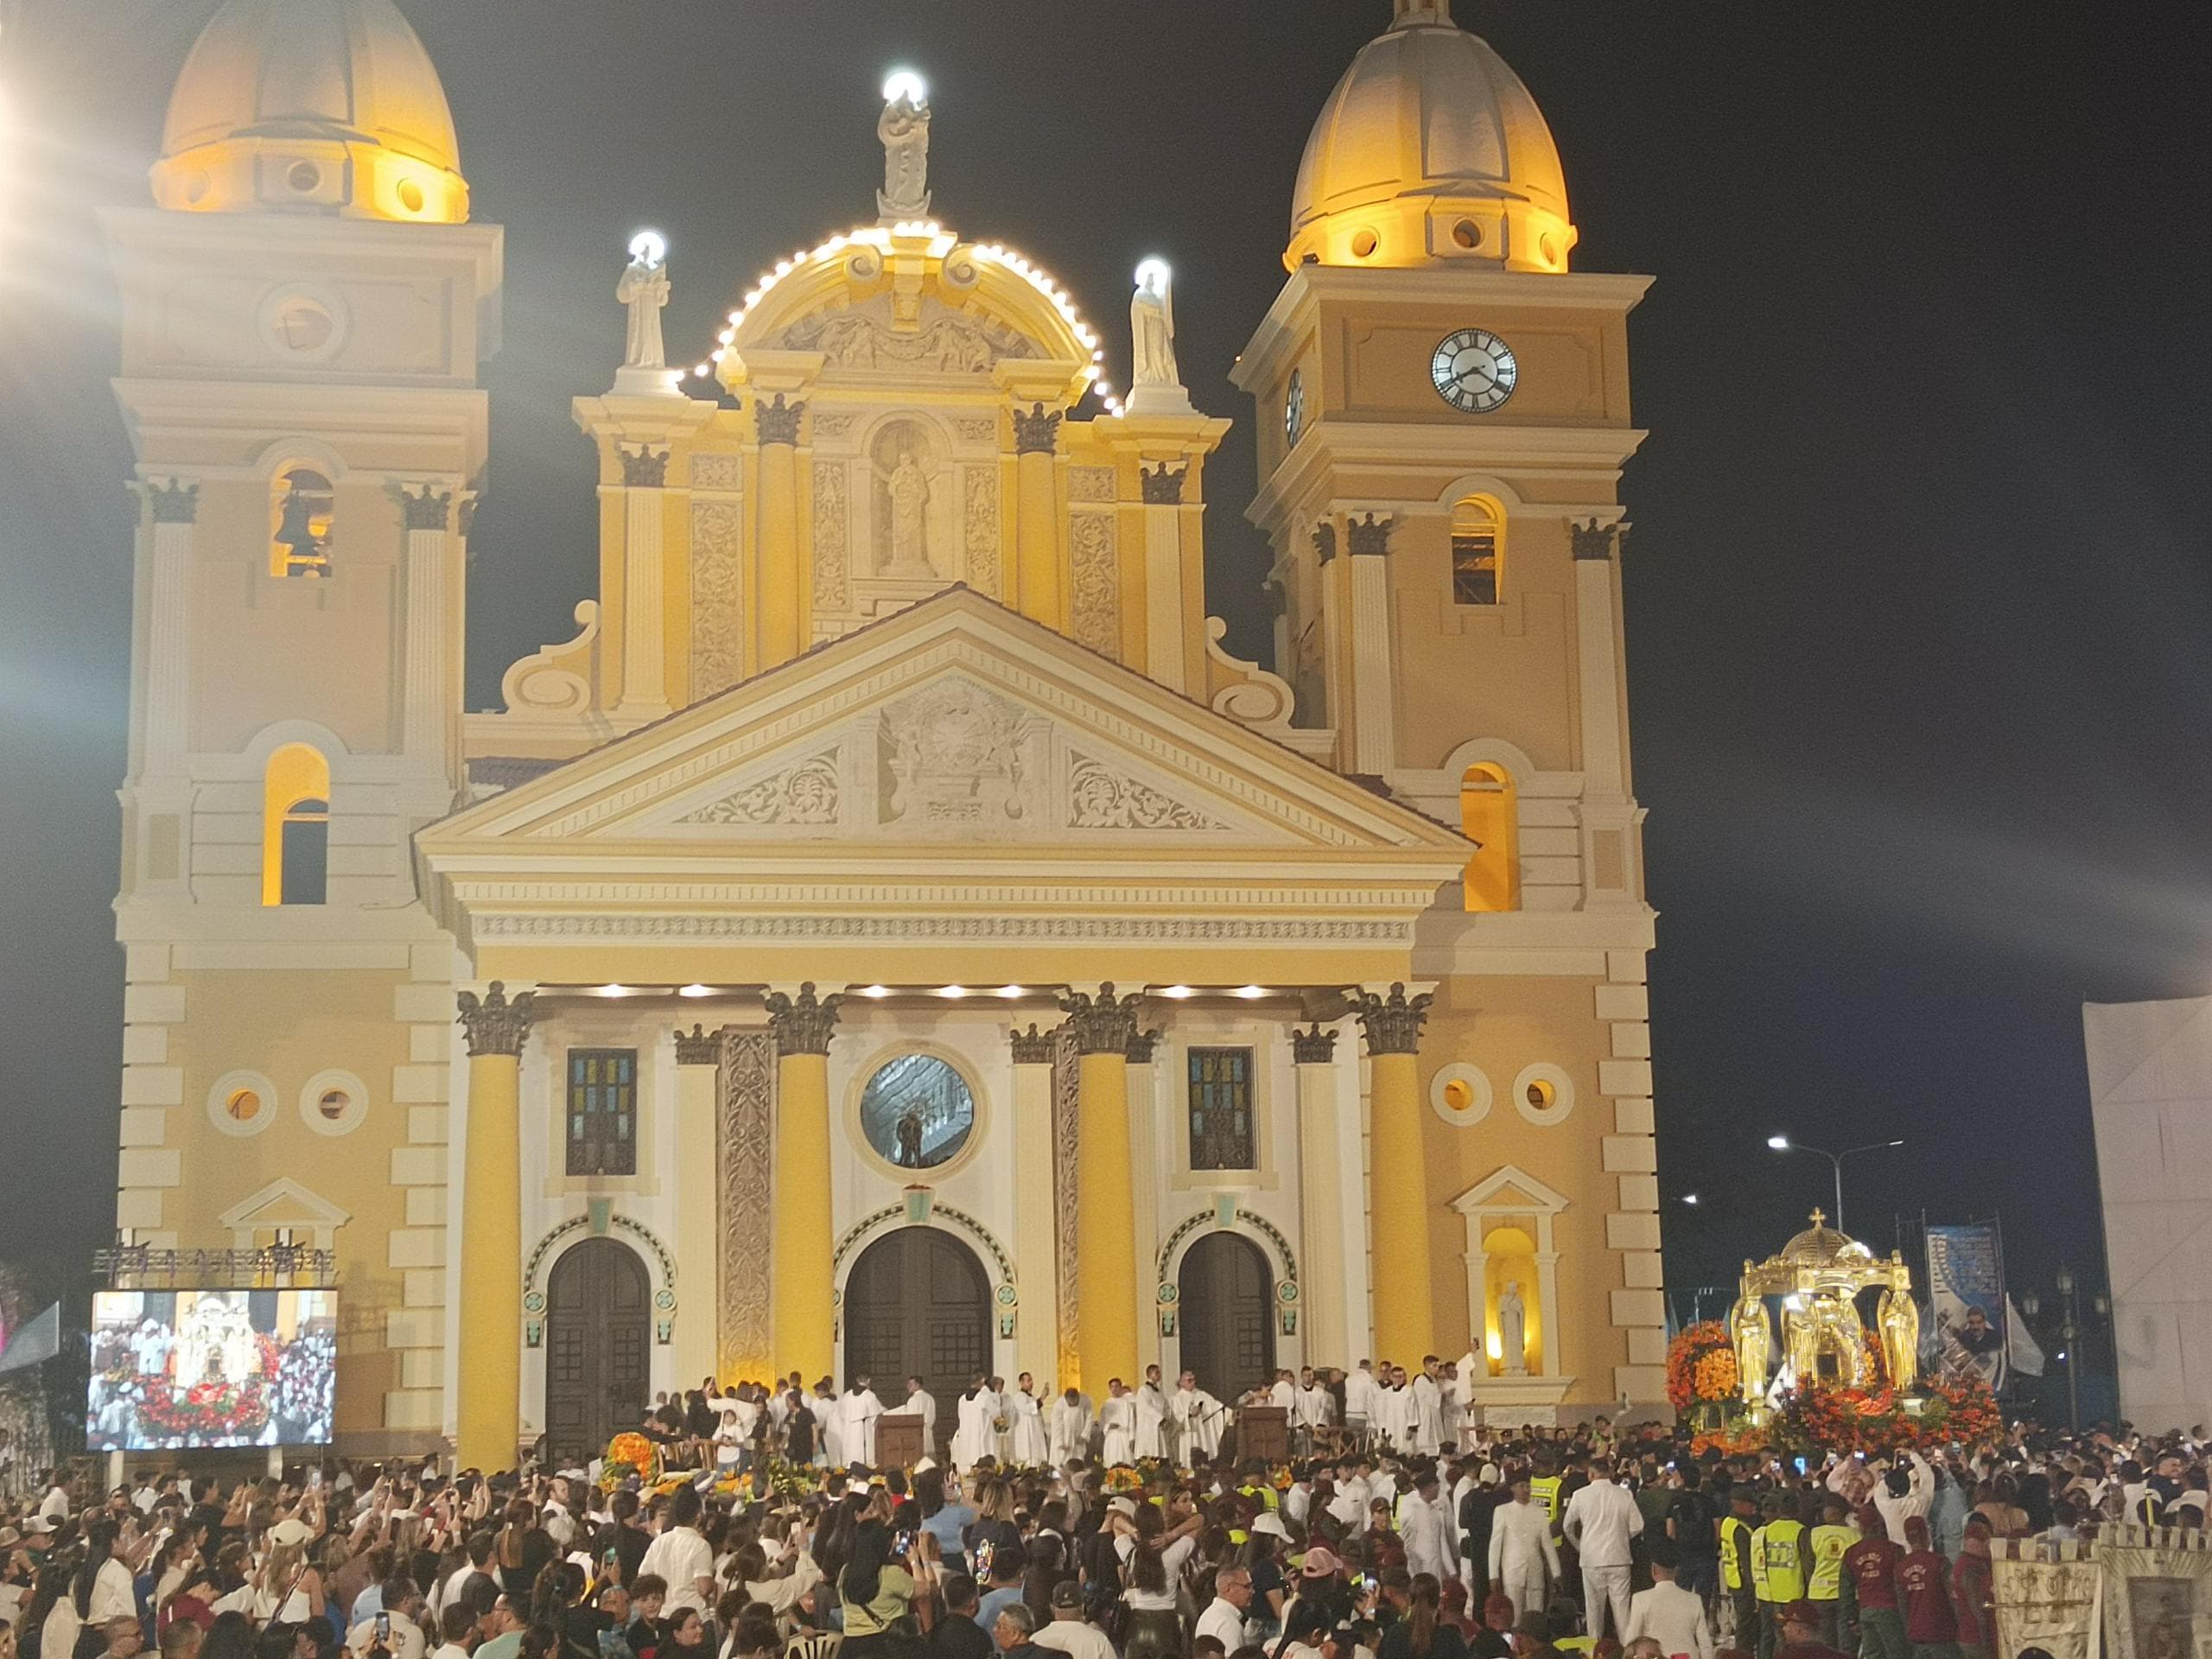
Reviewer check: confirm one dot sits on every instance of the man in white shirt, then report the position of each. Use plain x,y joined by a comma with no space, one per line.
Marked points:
856,1415
403,1606
1224,1619
457,1626
1360,1394
1428,1547
1117,1424
1070,1632
1522,1561
1600,1522
1671,1616
681,1556
921,1403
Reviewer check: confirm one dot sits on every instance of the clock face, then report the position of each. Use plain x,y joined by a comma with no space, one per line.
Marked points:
1293,407
1474,371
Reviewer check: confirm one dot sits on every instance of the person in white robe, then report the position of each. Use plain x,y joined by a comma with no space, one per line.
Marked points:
828,1428
1360,1392
1029,1449
971,1424
1312,1408
1152,1416
1069,1433
1428,1547
1000,1419
1428,1411
857,1411
1391,1421
1284,1392
1117,1424
1198,1417
921,1403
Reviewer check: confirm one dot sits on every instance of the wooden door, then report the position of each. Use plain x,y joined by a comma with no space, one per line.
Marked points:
598,1346
1223,1315
917,1303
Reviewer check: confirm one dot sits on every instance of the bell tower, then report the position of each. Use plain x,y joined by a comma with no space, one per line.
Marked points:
304,313
1443,415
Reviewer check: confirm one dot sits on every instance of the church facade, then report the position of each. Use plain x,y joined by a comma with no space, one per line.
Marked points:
893,934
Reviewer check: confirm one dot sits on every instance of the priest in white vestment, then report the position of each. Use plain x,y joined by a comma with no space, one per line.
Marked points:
1029,1449
857,1411
1152,1416
1069,1431
1198,1418
1361,1391
921,1403
1428,1413
1118,1423
971,1425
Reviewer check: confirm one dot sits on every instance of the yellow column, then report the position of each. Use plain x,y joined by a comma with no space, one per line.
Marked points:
780,610
804,1250
1039,594
1405,1292
488,1428
1105,1191
1321,1215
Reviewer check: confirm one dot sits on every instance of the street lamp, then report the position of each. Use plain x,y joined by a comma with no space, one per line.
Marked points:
1784,1143
2069,1332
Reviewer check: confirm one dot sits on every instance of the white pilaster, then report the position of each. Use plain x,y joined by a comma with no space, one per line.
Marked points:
1163,636
1372,686
167,714
1320,1198
1597,640
645,677
429,703
1036,1228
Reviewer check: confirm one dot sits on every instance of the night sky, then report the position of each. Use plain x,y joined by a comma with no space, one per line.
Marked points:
1918,596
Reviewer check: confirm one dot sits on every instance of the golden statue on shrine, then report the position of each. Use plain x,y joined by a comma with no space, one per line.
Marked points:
1818,1275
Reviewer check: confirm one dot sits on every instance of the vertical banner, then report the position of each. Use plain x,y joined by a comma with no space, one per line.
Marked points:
1965,1278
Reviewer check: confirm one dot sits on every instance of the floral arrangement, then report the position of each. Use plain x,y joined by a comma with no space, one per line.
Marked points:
1122,1478
1812,1422
213,1409
629,1453
1702,1367
1739,1440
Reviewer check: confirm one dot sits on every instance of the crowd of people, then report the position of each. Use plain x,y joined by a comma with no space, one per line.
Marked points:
1531,1544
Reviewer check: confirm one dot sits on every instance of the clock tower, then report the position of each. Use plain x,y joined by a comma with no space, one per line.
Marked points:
1443,415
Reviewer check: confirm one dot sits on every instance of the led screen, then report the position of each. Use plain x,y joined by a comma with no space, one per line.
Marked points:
181,1368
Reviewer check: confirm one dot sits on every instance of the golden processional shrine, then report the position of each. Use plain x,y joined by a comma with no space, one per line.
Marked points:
893,934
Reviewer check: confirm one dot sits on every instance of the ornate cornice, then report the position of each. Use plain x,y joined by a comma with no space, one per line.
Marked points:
776,421
1370,535
803,1025
1325,541
432,509
1592,540
1105,1023
643,467
1140,1047
1163,484
1314,1047
175,503
699,1047
1032,1047
1391,1024
493,1024
1038,432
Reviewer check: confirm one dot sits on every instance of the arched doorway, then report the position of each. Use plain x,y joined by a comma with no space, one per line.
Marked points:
1223,1295
917,1304
598,1344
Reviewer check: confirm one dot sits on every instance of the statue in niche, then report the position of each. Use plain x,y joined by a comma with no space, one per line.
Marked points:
1513,1330
910,517
904,131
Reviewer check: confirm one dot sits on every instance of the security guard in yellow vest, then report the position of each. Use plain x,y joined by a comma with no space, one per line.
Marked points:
1543,1488
1738,1565
1825,1585
1777,1566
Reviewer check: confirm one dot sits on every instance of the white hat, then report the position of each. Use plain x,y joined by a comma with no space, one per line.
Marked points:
925,1466
1123,1505
1490,1475
1269,1522
290,1530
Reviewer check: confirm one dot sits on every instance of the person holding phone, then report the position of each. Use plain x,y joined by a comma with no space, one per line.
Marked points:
879,1586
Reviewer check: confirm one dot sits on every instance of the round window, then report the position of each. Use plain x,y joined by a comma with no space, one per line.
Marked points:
1460,1095
242,1102
1543,1093
1467,234
243,1105
411,195
1363,244
333,1101
917,1112
304,176
332,1104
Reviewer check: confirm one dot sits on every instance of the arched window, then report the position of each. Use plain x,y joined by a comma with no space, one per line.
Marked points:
1488,816
295,827
1477,539
301,508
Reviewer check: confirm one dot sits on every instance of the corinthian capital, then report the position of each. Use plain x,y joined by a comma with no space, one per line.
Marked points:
1391,1024
1105,1023
493,1023
804,1024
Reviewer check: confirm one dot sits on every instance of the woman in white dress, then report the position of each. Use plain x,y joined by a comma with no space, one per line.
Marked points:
1029,1449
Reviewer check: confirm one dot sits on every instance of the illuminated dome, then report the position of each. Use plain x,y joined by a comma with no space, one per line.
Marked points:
1821,1245
327,106
1430,149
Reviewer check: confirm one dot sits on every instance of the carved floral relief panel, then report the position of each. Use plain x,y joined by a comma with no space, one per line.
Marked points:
717,597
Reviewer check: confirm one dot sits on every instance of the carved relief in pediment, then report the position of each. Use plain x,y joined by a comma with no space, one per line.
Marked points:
947,341
960,760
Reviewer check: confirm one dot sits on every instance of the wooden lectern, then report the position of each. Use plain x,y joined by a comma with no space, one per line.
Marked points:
898,1440
1262,1431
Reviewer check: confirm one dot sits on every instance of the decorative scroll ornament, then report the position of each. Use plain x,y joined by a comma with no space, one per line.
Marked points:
1314,1047
803,1026
643,465
717,593
175,502
698,1046
1325,541
951,344
807,793
778,421
1102,798
430,508
1370,535
830,520
1103,1024
981,532
1037,432
1163,484
1592,540
1032,1047
494,1024
1391,1024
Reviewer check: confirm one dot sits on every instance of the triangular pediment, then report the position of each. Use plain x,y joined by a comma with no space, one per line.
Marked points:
956,723
1508,1188
283,1203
